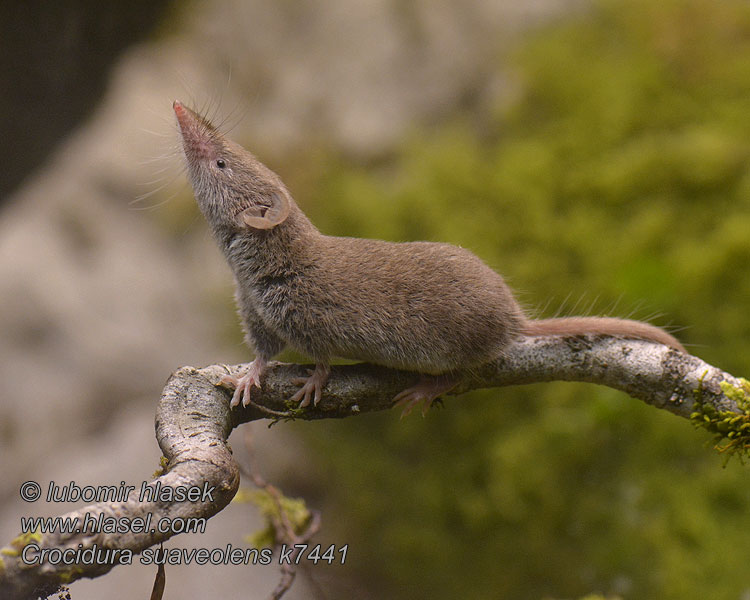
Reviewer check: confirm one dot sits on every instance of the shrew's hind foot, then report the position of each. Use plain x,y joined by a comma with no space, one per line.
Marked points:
312,386
425,392
242,385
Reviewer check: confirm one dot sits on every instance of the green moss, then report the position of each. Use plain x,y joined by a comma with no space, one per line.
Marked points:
163,467
295,513
293,410
18,543
731,429
738,395
71,574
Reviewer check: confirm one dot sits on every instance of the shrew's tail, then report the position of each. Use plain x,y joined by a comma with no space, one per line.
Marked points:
622,328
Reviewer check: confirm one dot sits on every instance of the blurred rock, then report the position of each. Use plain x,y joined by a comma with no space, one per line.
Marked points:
358,74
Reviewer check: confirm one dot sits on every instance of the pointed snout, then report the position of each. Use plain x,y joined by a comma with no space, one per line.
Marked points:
181,112
199,139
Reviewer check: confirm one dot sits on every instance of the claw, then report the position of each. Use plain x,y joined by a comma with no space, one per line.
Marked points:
312,386
242,385
425,392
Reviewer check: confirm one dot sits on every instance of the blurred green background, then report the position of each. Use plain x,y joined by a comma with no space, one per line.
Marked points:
619,176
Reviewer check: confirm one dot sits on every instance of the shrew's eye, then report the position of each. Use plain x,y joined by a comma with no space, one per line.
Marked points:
220,163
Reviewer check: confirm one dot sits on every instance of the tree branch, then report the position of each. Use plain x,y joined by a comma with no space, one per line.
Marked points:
193,422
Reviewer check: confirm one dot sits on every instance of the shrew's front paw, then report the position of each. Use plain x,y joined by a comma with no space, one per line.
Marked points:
243,385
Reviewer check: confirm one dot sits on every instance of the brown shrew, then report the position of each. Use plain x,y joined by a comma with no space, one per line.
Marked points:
428,307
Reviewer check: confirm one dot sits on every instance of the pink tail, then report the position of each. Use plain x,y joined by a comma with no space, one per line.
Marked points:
622,328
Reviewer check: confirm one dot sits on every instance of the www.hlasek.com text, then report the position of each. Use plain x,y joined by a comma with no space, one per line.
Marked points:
102,522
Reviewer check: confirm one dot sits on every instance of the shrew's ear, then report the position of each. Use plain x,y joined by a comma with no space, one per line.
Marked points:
267,217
